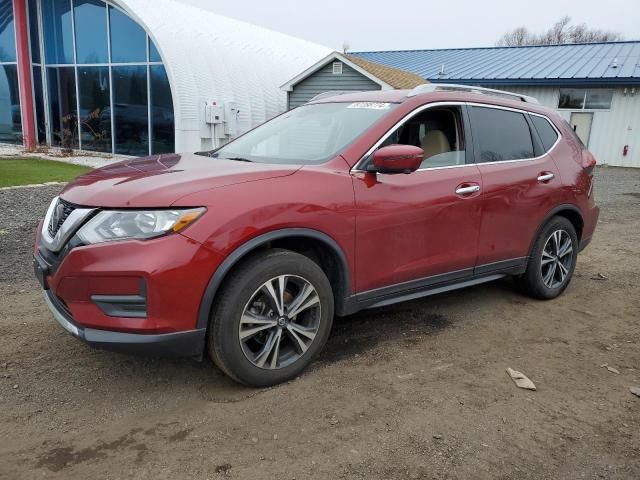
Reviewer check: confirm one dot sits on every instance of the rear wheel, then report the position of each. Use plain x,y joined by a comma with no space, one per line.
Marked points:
272,318
552,261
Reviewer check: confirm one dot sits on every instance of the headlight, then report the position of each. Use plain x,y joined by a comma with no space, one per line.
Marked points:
139,224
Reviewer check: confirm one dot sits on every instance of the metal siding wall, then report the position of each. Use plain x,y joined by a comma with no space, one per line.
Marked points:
324,81
611,129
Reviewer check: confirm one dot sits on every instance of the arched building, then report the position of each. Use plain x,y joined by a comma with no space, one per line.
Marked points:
137,77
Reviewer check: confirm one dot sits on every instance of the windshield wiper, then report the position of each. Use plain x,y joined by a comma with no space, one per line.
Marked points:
239,159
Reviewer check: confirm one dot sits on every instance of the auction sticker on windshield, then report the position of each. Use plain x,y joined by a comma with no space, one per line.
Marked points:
370,105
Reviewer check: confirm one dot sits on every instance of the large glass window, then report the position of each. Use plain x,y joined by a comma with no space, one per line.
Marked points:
38,99
128,39
501,134
7,33
10,124
95,113
585,99
162,127
130,110
154,55
81,91
33,31
58,34
63,106
599,98
91,31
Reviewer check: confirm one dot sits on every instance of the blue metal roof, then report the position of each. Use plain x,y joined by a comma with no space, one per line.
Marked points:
572,64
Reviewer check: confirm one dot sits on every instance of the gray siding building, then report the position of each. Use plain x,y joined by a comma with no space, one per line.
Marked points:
340,72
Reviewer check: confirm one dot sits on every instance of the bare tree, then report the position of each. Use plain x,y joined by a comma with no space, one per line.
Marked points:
561,32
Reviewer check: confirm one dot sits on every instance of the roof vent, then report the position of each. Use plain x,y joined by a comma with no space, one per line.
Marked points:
615,63
337,68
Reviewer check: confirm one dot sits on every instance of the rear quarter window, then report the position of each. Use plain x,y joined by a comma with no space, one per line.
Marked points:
547,133
500,135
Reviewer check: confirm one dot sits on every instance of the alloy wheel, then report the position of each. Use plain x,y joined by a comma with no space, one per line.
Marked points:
280,322
557,258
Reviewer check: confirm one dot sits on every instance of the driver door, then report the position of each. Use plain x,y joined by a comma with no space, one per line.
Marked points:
420,229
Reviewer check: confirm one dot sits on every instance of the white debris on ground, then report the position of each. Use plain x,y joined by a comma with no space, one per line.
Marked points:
88,159
521,380
611,369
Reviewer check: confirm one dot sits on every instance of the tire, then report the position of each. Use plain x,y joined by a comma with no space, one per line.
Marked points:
255,340
549,277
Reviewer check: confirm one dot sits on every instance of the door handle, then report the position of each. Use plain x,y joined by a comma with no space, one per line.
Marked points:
467,190
545,177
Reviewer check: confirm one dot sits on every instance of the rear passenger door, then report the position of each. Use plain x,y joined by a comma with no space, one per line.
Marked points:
520,183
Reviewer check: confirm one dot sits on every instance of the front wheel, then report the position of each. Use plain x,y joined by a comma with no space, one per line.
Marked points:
552,261
272,318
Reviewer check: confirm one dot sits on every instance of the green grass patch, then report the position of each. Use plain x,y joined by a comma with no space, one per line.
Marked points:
26,171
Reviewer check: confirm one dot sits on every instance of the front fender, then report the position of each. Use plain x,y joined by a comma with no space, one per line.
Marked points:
315,203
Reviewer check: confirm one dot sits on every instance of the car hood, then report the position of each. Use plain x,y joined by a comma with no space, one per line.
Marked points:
160,180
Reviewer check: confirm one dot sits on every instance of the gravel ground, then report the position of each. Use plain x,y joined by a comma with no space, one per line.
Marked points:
416,390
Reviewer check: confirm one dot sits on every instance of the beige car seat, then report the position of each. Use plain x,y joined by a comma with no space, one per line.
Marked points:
434,143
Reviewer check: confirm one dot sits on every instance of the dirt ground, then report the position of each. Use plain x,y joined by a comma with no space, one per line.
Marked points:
416,390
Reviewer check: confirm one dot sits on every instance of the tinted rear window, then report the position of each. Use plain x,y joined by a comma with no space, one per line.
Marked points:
547,133
501,134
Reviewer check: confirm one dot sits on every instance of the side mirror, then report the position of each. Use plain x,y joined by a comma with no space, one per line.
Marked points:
397,159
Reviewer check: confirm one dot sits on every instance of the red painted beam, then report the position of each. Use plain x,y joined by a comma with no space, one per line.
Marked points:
24,74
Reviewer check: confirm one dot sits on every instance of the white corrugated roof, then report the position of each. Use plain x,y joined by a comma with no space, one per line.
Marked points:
209,56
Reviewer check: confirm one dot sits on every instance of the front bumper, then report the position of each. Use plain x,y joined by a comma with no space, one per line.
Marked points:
180,344
132,296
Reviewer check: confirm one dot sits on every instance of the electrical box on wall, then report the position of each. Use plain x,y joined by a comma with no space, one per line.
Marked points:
219,120
214,113
231,118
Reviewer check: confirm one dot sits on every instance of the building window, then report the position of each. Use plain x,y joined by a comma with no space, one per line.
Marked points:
7,33
32,12
58,31
337,68
585,99
95,111
161,111
128,39
10,119
38,100
63,112
90,19
130,112
84,96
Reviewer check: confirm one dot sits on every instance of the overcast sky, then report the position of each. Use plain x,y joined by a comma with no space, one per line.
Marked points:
417,24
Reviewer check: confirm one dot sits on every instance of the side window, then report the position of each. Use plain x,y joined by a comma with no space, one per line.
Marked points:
438,131
501,134
547,133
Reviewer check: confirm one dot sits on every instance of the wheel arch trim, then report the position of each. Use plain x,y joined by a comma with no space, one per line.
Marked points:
246,248
552,213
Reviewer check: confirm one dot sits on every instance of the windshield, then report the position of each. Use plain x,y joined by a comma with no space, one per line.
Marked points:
306,135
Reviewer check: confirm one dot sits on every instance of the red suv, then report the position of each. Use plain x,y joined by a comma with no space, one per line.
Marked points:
351,201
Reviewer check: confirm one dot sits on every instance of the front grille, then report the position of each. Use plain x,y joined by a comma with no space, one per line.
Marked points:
60,213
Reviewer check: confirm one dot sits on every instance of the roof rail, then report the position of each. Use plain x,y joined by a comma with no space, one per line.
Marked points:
433,87
331,93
